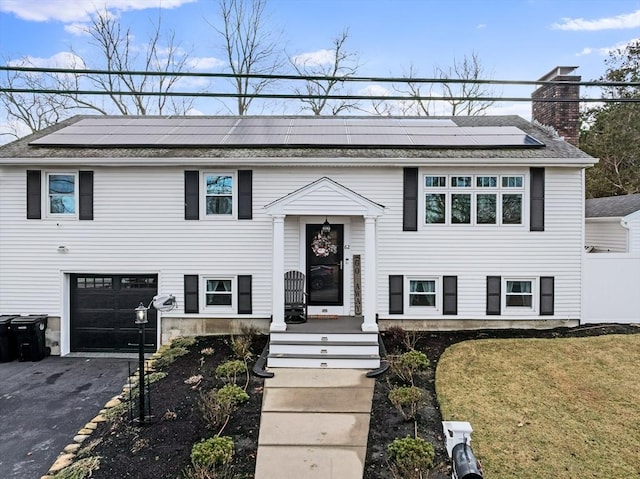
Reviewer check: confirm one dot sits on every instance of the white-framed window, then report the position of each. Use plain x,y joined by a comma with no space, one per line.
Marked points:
480,199
219,293
61,194
423,293
519,294
220,197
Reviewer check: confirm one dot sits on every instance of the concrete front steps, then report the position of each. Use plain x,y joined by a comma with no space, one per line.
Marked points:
335,350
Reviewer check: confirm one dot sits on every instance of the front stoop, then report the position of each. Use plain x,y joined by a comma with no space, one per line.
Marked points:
314,424
351,350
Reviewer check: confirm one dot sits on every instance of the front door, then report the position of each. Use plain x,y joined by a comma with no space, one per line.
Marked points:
324,258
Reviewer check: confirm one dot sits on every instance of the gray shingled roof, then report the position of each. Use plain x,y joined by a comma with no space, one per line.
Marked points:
550,147
612,206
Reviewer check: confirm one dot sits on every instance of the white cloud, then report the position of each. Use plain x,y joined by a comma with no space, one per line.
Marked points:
521,108
321,57
619,22
481,26
59,60
606,51
204,63
70,11
78,29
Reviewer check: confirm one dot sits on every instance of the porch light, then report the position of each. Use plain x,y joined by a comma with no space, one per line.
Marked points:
141,314
326,227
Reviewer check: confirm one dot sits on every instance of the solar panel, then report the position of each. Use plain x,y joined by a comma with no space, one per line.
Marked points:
283,131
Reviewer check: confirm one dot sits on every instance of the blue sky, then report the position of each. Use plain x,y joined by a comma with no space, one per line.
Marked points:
514,39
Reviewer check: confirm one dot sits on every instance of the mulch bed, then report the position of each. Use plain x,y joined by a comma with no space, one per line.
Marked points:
162,448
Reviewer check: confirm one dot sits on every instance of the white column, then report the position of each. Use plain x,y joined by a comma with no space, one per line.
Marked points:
277,322
369,288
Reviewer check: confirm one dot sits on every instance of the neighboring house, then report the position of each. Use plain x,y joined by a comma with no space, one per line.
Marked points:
434,222
613,224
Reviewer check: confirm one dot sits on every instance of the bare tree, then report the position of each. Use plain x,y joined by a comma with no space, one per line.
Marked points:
469,68
119,57
250,48
335,65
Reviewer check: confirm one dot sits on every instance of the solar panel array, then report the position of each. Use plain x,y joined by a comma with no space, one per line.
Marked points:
267,131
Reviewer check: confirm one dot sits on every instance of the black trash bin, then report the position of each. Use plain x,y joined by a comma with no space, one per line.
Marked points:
7,344
29,336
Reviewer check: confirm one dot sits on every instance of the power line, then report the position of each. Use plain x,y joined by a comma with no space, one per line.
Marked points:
373,79
293,96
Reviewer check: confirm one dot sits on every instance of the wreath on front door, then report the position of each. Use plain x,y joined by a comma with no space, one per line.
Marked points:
322,246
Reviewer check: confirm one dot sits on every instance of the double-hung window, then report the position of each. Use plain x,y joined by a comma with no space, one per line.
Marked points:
519,294
219,194
473,199
218,292
61,194
423,294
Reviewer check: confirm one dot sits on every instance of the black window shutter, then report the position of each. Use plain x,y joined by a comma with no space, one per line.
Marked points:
396,294
410,200
244,294
191,195
191,293
536,216
34,192
245,194
86,195
546,295
494,285
450,295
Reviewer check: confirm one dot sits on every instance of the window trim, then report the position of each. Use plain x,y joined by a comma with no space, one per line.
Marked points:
222,307
474,191
409,308
47,195
234,194
535,296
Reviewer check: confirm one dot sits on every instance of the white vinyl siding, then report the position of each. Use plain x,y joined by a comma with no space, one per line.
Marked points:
606,235
139,227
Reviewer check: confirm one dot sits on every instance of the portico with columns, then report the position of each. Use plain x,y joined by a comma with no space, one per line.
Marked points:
325,200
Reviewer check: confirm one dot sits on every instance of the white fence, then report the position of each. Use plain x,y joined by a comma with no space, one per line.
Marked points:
611,288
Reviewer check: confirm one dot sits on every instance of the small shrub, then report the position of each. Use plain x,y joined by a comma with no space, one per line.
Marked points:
168,356
411,457
208,351
241,346
183,342
229,370
215,451
232,395
407,400
408,364
217,405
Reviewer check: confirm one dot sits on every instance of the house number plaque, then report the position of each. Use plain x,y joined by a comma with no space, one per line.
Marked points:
357,285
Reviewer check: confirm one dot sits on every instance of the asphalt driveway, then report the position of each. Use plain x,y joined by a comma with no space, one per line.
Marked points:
43,404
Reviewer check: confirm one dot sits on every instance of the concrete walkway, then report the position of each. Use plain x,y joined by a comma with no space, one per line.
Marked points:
314,424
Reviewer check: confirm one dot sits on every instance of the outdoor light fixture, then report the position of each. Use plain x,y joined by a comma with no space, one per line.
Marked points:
326,227
164,302
141,314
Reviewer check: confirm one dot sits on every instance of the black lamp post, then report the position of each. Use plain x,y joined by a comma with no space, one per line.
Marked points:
141,320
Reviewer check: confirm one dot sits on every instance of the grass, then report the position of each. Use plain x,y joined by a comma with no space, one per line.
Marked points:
547,408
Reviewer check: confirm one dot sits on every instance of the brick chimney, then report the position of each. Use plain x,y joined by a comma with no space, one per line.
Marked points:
563,116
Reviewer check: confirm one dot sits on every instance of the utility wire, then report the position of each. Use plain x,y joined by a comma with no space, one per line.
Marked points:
318,77
293,96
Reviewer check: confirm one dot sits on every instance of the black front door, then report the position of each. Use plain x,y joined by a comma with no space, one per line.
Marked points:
324,265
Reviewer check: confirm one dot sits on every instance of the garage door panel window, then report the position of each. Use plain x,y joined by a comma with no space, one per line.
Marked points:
138,282
94,283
